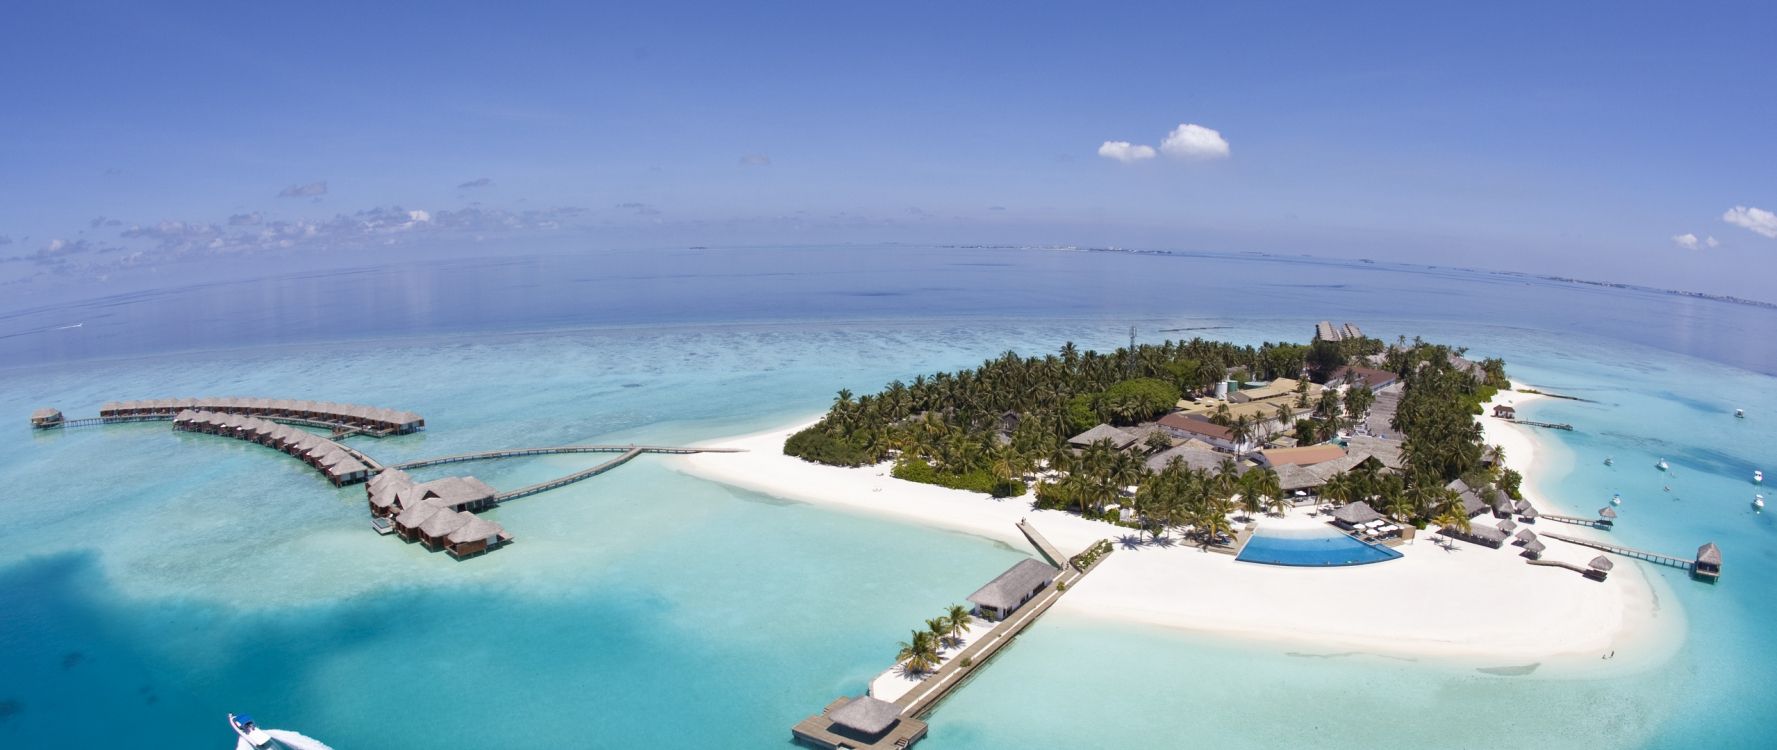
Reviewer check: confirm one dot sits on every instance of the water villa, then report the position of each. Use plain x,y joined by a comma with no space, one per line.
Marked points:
439,514
1004,595
1708,563
351,416
341,465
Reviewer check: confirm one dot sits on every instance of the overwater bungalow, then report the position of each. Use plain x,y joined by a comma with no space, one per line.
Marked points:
862,722
433,532
1607,516
409,520
476,536
1005,594
1600,567
46,418
1708,564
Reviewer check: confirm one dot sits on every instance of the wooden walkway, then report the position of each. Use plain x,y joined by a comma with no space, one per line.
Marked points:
569,479
1617,549
516,452
1601,524
1549,425
339,429
1044,547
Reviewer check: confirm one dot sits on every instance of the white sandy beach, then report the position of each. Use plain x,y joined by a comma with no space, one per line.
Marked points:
1472,605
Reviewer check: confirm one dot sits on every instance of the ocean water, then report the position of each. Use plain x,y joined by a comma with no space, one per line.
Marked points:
155,581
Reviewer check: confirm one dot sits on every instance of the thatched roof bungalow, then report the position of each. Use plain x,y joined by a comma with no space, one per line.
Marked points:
1006,593
1355,514
474,537
865,718
45,418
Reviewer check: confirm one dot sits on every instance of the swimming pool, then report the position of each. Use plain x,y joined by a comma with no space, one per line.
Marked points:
1312,548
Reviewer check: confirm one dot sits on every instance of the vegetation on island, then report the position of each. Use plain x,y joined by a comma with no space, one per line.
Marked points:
1002,427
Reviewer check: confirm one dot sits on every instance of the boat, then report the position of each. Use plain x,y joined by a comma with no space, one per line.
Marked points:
1662,465
1758,501
1608,460
1616,499
243,726
1739,413
1758,477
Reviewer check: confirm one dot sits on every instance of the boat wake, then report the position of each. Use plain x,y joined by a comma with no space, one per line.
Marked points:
288,739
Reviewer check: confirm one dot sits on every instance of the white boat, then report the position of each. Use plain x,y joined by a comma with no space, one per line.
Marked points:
243,726
1608,460
1616,499
1739,413
1661,465
1758,477
1758,501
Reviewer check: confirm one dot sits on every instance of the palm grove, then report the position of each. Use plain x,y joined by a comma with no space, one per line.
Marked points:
1004,424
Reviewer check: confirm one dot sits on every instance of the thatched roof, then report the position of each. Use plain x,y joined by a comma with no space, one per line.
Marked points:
1385,451
1526,535
1356,513
1601,564
417,514
1710,554
1607,512
1478,531
46,413
1535,546
1010,588
1291,478
1119,438
1201,459
1507,527
866,715
442,524
475,528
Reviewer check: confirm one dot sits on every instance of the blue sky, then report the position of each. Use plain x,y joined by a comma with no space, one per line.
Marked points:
1586,139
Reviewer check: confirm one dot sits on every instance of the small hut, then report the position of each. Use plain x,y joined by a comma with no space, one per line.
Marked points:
1507,527
1355,514
474,537
1533,549
1600,567
865,718
1708,564
46,418
1607,516
1505,412
1479,534
1526,536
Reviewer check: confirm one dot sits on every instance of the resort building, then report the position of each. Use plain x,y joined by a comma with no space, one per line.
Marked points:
862,722
1377,380
1307,455
1708,564
1195,454
353,416
341,465
1489,536
1386,452
1505,412
1183,427
46,418
1004,595
1350,517
1120,439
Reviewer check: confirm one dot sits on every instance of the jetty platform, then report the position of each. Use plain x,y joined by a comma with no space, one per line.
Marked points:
865,723
1705,566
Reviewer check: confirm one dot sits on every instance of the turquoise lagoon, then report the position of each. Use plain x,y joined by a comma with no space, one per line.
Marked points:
154,581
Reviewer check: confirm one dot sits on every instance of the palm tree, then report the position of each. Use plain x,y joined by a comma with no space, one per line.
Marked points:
919,653
939,627
1266,484
958,618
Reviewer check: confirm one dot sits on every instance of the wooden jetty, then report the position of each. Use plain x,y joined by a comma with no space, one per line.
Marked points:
908,726
1705,566
1602,524
1548,425
517,452
571,478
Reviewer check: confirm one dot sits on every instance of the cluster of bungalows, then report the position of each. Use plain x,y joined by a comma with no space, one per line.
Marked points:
1326,331
333,460
1271,408
439,514
369,418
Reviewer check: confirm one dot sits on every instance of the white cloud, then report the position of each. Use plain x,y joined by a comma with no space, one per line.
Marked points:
1192,141
419,216
1756,219
1125,152
1711,241
1687,241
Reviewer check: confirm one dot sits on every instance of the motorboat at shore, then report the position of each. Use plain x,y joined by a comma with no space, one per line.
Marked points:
243,725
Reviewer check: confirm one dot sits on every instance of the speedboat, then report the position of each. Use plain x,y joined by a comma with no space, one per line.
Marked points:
1758,477
1608,460
1661,465
1616,499
1739,413
1758,501
244,726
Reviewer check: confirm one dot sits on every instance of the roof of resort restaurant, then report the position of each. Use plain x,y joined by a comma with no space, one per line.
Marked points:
1386,451
1200,458
1119,438
1192,425
866,715
1010,588
1306,455
1291,477
1369,376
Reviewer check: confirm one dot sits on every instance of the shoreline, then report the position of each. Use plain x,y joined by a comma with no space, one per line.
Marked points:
1470,606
